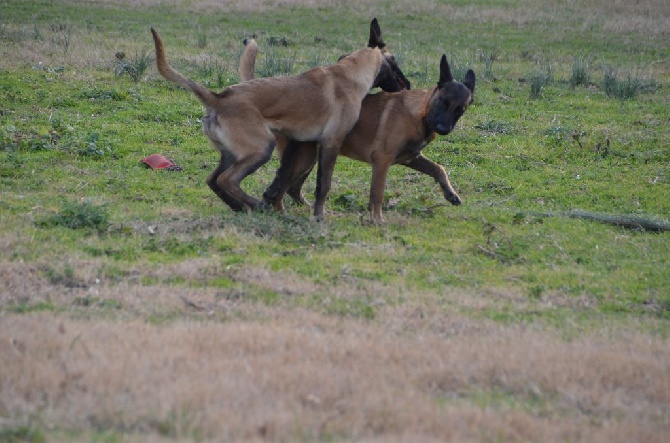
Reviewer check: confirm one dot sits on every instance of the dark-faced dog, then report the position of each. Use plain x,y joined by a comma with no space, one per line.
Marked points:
393,128
320,105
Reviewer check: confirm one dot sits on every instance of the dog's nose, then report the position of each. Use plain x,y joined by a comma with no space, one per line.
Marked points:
443,129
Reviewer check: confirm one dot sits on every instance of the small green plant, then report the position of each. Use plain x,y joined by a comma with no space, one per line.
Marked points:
488,56
134,68
86,144
495,126
85,216
580,73
539,80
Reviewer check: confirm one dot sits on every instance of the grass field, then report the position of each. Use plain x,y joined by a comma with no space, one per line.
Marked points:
135,306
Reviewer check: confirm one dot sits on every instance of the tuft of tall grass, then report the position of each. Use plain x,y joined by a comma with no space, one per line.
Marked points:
488,57
201,38
539,80
212,67
625,88
580,72
274,64
62,35
135,67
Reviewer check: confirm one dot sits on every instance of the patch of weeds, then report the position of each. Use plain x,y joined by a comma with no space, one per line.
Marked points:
89,301
663,309
580,75
175,247
559,134
540,80
135,67
21,434
109,303
536,292
501,246
62,35
274,64
201,37
13,139
628,87
85,302
351,308
316,59
279,41
488,56
265,296
65,277
104,94
86,145
495,126
84,216
212,67
348,201
40,306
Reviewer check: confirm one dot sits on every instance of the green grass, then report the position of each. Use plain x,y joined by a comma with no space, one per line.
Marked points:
548,132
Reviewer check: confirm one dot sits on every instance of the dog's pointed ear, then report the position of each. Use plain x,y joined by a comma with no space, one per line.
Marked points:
445,72
469,81
375,35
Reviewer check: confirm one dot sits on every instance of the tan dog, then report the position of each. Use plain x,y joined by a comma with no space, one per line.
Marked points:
391,129
320,105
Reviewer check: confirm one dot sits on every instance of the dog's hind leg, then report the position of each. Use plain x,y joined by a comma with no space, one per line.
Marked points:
225,162
422,164
229,180
274,194
297,161
324,175
303,165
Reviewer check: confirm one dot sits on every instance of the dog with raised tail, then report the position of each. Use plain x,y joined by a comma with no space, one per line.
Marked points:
320,105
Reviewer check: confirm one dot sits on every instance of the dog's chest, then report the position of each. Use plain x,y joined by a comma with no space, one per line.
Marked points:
410,150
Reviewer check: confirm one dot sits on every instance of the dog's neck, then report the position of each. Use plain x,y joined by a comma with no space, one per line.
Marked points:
427,127
362,68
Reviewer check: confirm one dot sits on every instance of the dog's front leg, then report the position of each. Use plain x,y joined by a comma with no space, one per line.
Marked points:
429,167
380,171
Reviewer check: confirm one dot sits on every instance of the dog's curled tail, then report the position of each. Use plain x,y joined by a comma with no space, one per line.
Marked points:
166,70
248,60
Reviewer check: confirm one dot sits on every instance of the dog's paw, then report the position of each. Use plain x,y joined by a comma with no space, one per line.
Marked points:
454,199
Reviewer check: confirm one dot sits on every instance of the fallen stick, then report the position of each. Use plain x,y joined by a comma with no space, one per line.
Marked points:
626,221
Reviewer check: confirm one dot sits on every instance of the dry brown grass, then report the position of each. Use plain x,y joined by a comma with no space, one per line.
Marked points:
224,368
88,48
646,16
